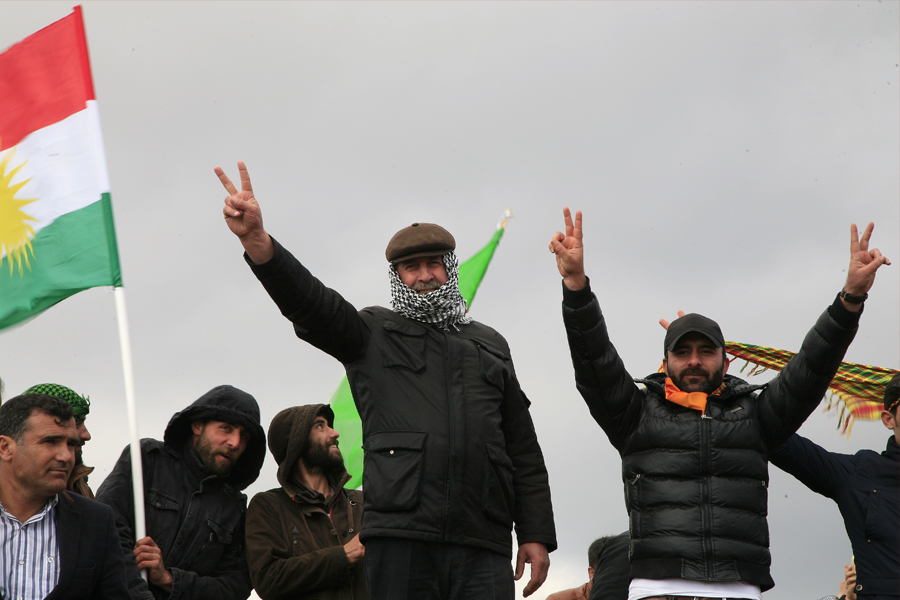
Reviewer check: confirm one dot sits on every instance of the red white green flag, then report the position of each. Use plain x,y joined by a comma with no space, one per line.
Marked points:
56,226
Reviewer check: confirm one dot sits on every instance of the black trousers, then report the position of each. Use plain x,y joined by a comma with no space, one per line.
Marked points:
401,569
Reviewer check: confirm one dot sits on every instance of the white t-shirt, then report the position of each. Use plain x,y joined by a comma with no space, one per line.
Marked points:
647,588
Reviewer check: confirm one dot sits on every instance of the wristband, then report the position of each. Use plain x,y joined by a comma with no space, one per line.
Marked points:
852,298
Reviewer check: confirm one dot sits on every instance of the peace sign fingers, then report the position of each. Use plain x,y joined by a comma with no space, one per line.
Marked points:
244,174
245,178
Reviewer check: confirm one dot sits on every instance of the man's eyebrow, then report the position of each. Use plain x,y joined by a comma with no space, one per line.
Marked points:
54,438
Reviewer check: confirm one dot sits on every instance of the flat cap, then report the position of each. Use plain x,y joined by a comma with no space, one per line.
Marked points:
419,239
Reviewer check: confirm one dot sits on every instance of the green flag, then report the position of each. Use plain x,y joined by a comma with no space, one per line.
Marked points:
346,419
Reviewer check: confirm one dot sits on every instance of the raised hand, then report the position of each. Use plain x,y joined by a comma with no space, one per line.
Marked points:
863,262
569,252
244,217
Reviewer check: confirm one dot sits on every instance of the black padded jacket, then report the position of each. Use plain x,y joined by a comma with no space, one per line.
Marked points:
696,485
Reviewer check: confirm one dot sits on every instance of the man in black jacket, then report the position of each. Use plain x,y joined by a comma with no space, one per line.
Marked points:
694,441
194,507
866,488
451,455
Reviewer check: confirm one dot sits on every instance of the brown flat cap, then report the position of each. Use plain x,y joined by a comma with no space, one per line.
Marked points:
419,239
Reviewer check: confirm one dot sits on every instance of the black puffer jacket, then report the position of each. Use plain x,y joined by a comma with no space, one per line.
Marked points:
195,518
451,451
695,485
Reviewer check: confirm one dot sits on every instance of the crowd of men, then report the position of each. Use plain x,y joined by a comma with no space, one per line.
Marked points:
452,462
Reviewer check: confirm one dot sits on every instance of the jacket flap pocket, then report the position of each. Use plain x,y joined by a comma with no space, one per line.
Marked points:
222,532
404,328
403,346
395,440
161,501
490,349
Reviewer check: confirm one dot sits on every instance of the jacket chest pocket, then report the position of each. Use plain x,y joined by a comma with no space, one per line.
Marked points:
403,347
214,539
493,364
163,511
394,461
875,515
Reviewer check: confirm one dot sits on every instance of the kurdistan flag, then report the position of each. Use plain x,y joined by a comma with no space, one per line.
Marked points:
346,417
56,226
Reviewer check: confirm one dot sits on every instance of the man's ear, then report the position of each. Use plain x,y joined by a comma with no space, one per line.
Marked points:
887,418
7,448
725,366
590,573
197,427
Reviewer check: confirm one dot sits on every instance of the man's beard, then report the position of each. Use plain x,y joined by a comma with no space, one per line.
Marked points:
320,459
708,386
207,456
79,459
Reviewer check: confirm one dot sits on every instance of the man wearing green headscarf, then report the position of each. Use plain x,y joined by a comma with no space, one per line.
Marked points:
81,406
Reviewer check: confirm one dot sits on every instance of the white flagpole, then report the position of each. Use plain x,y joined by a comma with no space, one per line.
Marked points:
137,473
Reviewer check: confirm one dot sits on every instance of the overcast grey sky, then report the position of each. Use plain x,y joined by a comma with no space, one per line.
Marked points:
719,152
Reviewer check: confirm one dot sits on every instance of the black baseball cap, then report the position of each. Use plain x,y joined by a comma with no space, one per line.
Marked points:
693,323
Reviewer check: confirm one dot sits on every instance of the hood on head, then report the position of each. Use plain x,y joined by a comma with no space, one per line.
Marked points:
231,405
289,437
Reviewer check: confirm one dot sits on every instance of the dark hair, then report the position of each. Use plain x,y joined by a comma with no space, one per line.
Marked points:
15,412
595,549
892,394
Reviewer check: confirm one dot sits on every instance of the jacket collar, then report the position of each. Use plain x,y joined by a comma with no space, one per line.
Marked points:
300,493
733,385
892,451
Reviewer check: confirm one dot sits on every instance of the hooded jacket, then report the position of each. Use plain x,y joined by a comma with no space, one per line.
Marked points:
451,454
197,519
295,536
696,483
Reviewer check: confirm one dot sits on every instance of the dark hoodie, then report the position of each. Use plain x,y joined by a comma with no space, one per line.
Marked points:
195,518
295,535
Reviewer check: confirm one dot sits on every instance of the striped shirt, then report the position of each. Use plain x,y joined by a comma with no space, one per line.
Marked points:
29,554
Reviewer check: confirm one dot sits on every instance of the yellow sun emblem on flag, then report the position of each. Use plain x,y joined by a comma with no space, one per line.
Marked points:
15,232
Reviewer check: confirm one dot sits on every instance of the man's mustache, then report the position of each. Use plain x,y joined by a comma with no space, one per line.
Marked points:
426,286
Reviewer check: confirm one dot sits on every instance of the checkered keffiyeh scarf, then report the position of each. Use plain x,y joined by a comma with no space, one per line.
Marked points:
857,391
81,405
444,306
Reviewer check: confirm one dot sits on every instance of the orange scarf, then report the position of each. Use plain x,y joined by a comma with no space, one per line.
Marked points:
695,400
